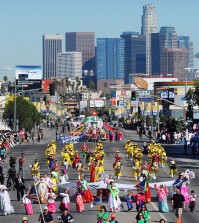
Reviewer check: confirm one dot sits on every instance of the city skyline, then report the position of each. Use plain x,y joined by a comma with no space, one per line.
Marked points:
21,43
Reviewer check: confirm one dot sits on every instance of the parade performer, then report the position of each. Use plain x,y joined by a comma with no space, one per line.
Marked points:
162,193
136,169
92,171
80,169
139,200
173,168
99,171
51,196
27,203
119,157
54,181
129,201
84,150
76,159
35,169
5,205
87,195
145,213
154,170
192,201
79,201
182,183
114,202
42,189
118,169
65,202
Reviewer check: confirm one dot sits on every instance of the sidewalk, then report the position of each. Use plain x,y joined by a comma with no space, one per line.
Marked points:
171,149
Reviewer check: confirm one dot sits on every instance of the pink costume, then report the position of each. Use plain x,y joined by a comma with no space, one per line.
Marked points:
51,202
162,193
79,202
28,205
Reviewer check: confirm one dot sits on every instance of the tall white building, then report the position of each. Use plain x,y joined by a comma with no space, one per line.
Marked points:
149,25
52,44
69,64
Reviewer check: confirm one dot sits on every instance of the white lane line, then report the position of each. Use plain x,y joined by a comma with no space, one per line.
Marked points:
156,208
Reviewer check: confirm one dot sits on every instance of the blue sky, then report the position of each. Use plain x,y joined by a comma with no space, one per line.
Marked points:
23,22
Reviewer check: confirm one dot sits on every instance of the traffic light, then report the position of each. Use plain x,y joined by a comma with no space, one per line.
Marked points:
133,95
189,113
80,96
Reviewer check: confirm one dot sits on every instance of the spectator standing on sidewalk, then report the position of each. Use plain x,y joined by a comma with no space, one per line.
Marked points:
185,146
178,204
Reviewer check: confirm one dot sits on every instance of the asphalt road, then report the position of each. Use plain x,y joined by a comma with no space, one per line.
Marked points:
36,150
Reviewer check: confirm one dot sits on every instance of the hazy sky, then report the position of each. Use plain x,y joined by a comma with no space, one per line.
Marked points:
23,22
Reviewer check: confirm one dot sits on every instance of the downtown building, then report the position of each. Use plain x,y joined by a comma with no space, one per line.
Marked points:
166,38
149,25
69,64
83,42
184,42
175,61
110,58
134,55
52,44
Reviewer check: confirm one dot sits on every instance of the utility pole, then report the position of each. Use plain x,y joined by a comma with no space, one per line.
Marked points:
15,108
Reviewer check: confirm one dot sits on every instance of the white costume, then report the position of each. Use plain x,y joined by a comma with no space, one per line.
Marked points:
5,205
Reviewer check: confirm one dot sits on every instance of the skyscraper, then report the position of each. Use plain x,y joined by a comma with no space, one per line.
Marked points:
184,42
82,42
69,64
135,55
175,61
166,38
110,58
52,44
149,25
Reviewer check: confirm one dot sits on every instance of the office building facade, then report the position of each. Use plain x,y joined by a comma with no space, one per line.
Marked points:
52,44
184,42
135,55
149,25
175,61
83,42
69,64
110,58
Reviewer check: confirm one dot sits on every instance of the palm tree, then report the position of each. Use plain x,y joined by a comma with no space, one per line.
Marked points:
78,83
67,82
72,86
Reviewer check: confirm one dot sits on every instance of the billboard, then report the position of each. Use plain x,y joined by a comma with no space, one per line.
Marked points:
29,72
123,94
28,85
96,103
45,85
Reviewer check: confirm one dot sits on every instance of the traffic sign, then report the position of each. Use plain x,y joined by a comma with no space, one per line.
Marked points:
145,99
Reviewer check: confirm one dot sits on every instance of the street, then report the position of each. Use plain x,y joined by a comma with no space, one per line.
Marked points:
36,151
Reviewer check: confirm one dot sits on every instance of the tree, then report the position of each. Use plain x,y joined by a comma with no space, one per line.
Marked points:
72,86
192,95
78,83
27,113
67,82
91,84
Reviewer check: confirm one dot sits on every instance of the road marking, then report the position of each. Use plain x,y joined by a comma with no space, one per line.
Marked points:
156,208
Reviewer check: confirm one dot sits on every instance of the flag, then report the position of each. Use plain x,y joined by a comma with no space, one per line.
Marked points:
141,186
